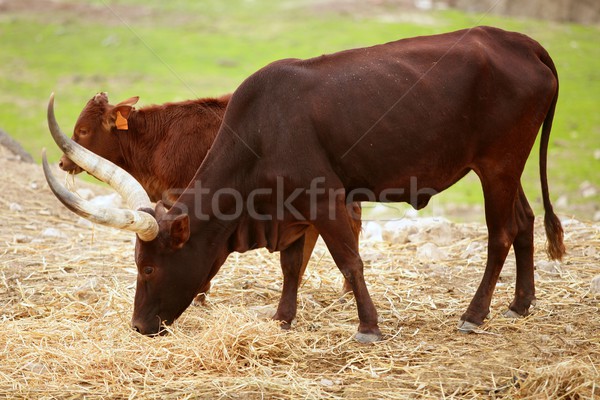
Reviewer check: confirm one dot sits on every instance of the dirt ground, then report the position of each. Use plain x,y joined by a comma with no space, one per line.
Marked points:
66,292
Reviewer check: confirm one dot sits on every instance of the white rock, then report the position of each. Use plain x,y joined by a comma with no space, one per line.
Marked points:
88,289
595,285
597,216
424,4
474,251
552,267
84,222
395,232
562,202
379,210
372,231
85,193
430,251
36,368
109,200
411,213
326,382
265,311
590,251
587,189
571,222
545,338
15,207
441,233
435,232
53,232
19,238
419,230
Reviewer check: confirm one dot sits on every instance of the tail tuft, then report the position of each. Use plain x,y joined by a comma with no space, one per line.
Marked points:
554,233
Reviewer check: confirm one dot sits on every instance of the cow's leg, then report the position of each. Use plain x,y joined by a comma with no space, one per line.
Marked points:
523,246
200,298
291,266
500,197
310,240
355,215
311,236
342,243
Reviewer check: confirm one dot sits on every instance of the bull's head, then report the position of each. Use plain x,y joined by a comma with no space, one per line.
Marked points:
166,281
97,128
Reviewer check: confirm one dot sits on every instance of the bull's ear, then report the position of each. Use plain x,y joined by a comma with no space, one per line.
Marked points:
126,106
120,112
180,231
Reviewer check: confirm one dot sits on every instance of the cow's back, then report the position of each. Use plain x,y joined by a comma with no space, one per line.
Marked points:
428,107
178,137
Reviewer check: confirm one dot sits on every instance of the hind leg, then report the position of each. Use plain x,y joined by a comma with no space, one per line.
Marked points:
523,246
500,196
355,211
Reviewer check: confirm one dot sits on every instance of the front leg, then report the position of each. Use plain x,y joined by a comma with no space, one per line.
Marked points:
311,236
200,299
291,265
342,242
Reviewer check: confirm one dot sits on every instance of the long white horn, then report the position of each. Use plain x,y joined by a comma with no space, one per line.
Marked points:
139,222
132,192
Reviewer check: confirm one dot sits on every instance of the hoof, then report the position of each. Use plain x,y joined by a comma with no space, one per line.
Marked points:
467,327
199,300
512,314
285,326
367,337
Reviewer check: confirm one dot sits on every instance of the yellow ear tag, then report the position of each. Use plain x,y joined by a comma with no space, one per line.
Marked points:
121,122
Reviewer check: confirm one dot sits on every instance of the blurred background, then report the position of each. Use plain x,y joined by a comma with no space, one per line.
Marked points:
168,51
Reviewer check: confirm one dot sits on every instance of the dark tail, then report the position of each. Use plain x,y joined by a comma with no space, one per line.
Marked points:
554,230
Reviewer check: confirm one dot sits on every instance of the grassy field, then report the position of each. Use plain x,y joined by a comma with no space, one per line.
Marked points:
166,51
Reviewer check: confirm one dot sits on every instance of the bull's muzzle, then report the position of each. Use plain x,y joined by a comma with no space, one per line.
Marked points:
153,327
69,166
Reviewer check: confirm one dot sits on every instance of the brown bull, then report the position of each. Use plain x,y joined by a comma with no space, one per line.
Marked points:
302,138
161,146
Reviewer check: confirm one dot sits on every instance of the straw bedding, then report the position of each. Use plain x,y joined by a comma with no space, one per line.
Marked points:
66,297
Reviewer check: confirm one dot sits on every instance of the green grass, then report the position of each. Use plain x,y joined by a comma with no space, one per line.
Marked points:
165,51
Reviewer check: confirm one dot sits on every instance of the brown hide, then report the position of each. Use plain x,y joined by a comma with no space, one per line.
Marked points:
400,121
162,146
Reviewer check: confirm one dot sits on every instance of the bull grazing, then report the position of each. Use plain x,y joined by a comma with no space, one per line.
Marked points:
161,146
394,122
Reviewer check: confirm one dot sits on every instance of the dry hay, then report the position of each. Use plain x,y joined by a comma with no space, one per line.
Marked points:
66,300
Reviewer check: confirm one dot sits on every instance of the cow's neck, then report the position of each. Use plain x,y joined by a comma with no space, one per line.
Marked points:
226,221
138,146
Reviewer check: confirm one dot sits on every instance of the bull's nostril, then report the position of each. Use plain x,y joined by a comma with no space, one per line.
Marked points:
60,164
135,328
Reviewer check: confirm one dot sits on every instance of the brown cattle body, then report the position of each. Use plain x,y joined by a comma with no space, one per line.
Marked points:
394,122
161,146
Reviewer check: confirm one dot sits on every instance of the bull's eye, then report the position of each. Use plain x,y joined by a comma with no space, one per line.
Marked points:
148,270
83,132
